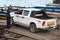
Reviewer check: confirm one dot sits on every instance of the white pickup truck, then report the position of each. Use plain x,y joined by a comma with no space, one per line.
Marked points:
34,19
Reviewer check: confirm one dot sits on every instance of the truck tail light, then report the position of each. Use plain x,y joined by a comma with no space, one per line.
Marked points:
43,23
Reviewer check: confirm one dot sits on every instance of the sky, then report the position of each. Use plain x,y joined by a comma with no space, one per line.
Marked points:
25,3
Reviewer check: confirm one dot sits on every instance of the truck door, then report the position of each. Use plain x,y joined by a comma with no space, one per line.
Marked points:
18,17
25,18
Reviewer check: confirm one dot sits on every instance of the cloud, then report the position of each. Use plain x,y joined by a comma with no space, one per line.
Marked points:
25,2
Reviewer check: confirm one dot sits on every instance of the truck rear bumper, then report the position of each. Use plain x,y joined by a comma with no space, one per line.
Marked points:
48,28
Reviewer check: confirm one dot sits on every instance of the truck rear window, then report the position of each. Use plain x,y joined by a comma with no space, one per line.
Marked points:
39,14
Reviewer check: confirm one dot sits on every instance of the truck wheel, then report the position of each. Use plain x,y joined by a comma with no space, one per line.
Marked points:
33,28
57,28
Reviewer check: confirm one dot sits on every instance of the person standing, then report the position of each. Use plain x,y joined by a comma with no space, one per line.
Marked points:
8,19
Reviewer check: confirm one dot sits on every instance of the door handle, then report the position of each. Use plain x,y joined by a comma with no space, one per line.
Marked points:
17,16
22,17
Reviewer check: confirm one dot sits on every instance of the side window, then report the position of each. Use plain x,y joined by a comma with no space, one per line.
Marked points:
32,14
19,12
25,12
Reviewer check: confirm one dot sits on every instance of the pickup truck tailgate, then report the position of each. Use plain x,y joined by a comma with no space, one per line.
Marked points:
51,22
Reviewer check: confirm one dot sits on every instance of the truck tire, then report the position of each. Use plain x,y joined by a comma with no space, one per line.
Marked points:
58,28
33,28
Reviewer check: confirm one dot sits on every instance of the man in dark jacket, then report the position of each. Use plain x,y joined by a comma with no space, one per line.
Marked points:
8,19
